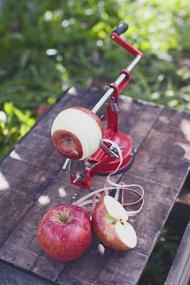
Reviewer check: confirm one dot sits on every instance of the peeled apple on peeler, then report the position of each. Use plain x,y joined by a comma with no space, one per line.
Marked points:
77,132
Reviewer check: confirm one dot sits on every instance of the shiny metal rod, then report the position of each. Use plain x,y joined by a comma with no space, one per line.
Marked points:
118,81
103,100
133,63
67,160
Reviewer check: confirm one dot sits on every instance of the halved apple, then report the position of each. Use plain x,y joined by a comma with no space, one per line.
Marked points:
109,222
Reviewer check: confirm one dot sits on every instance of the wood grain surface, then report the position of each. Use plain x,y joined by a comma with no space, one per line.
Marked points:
32,181
179,272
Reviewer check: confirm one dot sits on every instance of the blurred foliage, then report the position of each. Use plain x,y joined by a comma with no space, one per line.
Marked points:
47,46
14,123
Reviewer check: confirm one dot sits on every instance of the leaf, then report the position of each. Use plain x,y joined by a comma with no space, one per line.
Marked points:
21,116
8,107
24,59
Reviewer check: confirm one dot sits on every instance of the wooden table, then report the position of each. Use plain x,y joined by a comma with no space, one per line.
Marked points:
32,180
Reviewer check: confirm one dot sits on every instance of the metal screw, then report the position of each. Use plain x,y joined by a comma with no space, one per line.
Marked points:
74,196
77,177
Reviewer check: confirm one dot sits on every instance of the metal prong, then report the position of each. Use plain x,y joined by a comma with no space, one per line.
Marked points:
122,147
67,160
77,177
74,196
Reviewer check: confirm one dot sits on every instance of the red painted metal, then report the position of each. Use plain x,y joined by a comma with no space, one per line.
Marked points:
124,44
80,183
106,163
102,162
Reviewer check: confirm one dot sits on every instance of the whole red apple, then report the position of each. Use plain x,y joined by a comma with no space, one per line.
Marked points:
64,232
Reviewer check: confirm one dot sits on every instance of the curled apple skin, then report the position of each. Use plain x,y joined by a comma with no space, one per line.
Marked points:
64,232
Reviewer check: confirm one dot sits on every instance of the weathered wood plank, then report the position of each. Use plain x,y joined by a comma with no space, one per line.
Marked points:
24,237
159,199
21,170
164,154
34,158
113,268
25,240
174,122
160,175
179,272
26,171
166,145
53,180
20,186
10,275
164,170
15,200
137,118
118,267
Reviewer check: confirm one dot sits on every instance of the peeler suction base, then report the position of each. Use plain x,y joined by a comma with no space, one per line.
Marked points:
106,163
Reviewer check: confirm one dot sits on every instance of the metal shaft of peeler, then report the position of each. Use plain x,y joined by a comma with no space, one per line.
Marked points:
67,160
118,81
103,100
108,94
134,62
